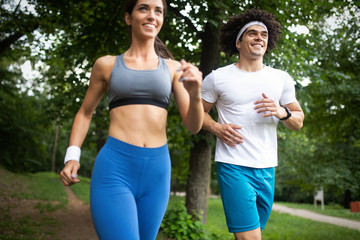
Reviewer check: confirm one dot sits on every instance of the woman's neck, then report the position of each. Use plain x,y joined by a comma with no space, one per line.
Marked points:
141,49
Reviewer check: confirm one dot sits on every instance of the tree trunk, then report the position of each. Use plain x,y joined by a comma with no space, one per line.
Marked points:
198,182
347,199
100,124
53,158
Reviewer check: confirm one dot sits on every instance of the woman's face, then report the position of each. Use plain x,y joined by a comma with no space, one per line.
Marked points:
146,18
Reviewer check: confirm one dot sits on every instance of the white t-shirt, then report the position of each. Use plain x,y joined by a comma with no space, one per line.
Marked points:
234,91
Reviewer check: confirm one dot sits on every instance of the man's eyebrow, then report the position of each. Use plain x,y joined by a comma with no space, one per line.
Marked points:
254,30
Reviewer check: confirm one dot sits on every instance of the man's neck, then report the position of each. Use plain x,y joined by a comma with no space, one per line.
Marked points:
250,65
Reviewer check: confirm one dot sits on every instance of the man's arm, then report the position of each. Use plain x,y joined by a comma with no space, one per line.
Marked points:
270,108
295,122
225,132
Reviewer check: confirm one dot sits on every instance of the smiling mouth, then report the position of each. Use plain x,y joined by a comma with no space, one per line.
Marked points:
150,26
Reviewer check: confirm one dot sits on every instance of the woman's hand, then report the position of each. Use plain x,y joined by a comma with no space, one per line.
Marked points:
68,175
191,77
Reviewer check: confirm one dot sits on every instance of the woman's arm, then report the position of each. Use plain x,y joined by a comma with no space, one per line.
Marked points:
187,93
97,87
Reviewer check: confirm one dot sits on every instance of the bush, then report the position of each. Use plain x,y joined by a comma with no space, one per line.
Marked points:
178,224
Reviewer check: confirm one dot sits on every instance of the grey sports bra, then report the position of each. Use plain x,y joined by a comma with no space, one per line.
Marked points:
130,86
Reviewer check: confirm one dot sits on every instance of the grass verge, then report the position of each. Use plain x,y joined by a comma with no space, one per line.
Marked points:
45,188
279,227
82,190
330,210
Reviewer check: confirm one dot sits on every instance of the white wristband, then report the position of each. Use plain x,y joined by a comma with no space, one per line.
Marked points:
72,153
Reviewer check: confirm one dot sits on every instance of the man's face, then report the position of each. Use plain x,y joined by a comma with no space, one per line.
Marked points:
253,42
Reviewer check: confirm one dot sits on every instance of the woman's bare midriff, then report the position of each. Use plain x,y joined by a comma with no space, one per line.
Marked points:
139,125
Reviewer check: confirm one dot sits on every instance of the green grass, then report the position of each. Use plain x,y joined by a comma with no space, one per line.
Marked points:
82,190
216,222
286,227
279,227
47,188
23,228
330,210
44,187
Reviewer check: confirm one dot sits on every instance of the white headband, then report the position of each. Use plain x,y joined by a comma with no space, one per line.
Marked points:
242,30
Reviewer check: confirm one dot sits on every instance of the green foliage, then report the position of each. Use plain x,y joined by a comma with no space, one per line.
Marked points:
23,127
179,141
178,224
326,152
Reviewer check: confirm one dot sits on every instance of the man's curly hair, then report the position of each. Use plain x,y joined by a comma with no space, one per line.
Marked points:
229,30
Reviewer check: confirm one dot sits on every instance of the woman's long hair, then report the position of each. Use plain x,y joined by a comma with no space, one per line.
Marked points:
160,48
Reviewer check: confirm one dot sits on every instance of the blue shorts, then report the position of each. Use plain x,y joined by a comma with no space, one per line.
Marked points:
129,191
247,195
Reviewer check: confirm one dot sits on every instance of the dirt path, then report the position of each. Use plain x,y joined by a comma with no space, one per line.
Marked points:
76,221
318,217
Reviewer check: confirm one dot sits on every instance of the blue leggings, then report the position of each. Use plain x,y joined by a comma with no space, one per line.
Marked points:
129,190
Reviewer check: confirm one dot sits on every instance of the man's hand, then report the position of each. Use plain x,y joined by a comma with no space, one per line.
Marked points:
228,134
269,107
68,175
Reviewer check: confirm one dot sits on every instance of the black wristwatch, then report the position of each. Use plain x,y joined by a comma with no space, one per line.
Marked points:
288,114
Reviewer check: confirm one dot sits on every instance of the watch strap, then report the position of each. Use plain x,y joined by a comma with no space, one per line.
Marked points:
288,114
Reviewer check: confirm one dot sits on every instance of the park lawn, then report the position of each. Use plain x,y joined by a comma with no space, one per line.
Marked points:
48,188
45,188
281,227
82,190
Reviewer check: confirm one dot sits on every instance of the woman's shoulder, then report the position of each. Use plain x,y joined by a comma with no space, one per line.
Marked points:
172,63
105,60
103,66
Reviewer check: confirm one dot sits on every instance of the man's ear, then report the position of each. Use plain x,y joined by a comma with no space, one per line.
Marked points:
238,44
128,19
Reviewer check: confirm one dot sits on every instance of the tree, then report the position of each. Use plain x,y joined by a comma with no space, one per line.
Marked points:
335,104
328,154
22,126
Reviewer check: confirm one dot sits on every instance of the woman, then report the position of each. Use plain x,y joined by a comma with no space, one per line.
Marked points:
130,183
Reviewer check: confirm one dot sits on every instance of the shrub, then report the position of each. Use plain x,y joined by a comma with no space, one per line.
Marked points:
178,224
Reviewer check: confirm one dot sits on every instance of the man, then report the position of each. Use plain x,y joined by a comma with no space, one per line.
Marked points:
251,99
